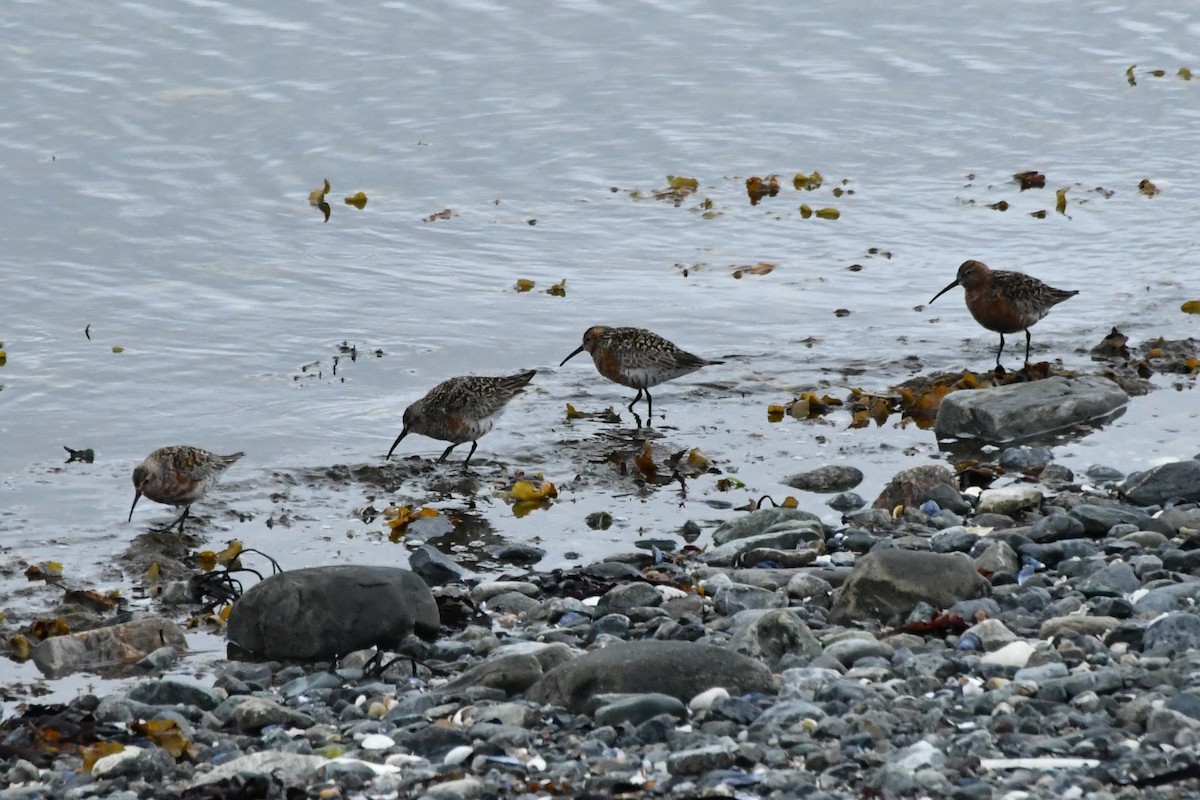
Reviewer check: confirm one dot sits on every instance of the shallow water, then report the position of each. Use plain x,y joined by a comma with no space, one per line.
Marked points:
158,163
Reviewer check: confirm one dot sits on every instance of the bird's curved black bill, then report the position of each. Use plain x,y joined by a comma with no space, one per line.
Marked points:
403,433
574,353
943,291
137,496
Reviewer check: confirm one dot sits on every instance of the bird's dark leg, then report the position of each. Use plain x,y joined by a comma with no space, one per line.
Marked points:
634,400
373,663
1000,352
649,409
468,458
1028,339
446,452
179,521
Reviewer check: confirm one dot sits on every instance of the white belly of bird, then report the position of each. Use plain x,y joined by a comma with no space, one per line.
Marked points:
473,429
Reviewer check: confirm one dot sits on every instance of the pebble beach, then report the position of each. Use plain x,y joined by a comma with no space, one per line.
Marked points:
1033,640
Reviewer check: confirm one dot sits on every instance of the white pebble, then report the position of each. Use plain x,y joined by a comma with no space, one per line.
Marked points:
376,741
105,765
670,592
704,700
1013,654
458,755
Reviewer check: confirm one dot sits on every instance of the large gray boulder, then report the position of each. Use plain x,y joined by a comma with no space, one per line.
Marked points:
321,612
1023,410
1177,480
887,584
680,669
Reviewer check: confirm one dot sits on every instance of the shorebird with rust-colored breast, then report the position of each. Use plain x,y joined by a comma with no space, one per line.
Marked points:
178,476
1005,302
461,410
637,358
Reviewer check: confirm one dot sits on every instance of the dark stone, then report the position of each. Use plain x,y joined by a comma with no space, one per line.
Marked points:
948,497
1056,527
1098,520
1187,561
888,584
656,729
826,480
1052,553
1102,474
775,634
321,612
994,521
846,501
1056,476
435,567
734,709
732,598
856,540
434,741
512,673
1023,410
953,541
911,487
701,760
516,553
513,603
610,625
1186,703
757,522
1022,459
782,717
1013,537
639,708
1117,607
620,599
1173,634
1114,580
1178,480
1100,681
1180,517
680,669
1173,597
171,692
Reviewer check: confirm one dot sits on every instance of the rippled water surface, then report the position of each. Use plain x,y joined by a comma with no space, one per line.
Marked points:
158,159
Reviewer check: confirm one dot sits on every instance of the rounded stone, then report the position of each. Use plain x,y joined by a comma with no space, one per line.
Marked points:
826,479
322,612
680,669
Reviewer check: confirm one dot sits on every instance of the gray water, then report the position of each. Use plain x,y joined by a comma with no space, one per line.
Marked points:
158,160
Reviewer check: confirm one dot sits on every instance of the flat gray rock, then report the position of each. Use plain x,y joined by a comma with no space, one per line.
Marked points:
757,522
287,768
1023,410
107,647
679,669
321,612
1177,480
888,584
